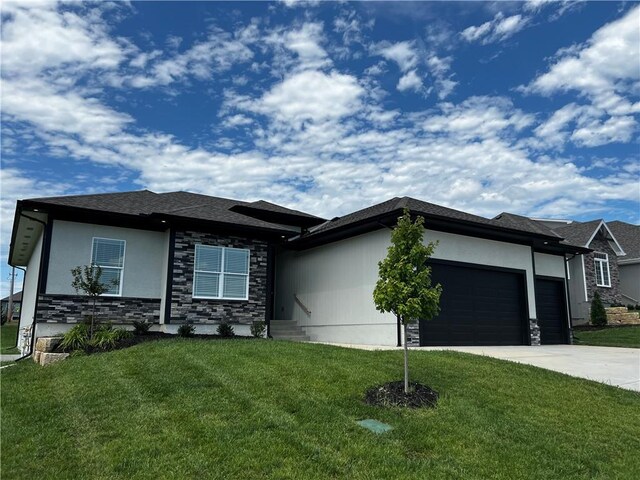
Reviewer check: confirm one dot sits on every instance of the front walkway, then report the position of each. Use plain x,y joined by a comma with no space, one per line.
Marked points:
611,365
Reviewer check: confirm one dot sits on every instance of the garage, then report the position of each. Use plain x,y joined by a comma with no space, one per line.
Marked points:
478,306
551,309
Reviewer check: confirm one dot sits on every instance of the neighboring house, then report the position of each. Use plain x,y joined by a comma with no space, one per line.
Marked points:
17,302
180,257
628,266
612,268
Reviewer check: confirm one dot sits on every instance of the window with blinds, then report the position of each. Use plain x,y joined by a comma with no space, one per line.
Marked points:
221,273
108,254
603,277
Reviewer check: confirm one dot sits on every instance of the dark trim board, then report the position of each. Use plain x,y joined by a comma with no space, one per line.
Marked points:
480,305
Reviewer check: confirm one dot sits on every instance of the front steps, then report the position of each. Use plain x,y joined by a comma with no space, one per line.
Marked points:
288,330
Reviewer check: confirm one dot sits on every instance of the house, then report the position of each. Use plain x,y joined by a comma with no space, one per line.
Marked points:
181,257
612,268
16,301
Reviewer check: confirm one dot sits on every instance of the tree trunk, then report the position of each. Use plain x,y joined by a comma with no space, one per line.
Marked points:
406,360
93,317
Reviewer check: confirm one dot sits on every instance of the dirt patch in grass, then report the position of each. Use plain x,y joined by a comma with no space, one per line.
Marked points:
392,395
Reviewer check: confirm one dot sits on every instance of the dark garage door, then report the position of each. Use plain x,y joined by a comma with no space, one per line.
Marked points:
550,306
477,307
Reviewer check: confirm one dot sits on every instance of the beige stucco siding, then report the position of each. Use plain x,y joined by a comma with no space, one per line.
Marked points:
549,265
336,282
630,281
145,256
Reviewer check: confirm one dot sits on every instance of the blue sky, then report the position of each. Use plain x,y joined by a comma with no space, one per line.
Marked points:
527,107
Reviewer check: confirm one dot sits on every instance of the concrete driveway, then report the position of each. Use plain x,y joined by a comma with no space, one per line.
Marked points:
611,365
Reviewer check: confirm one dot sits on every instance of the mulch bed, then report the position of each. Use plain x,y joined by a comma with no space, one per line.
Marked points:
154,336
392,395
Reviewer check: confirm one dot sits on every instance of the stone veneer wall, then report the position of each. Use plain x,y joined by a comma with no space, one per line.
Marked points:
73,309
185,308
608,295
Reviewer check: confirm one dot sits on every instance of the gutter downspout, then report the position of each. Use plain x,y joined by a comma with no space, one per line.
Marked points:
24,274
35,308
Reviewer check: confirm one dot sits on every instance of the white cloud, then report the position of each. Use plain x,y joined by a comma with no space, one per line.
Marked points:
603,69
592,127
37,37
403,53
496,30
410,81
309,96
606,71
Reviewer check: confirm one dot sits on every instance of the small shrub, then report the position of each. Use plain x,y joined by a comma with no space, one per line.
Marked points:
257,328
226,330
107,338
186,330
76,339
141,327
598,313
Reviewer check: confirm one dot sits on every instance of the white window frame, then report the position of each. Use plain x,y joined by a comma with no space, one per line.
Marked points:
600,264
221,273
93,243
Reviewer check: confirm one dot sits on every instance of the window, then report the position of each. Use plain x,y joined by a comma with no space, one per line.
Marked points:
603,278
108,254
221,272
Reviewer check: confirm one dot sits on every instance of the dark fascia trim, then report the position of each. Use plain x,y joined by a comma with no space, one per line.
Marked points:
14,231
98,217
303,221
521,273
154,221
224,228
168,297
437,223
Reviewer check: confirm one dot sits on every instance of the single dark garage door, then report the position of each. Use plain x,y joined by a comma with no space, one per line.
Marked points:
551,310
478,307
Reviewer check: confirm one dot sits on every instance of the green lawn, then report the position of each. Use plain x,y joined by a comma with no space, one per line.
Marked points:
610,337
8,337
189,408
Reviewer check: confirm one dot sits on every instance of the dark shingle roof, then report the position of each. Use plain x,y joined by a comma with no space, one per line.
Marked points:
518,222
179,204
426,209
628,236
578,233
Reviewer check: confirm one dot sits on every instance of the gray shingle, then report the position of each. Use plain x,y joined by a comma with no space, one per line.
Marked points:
181,204
628,236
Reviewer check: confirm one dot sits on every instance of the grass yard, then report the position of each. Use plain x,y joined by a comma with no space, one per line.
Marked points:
628,336
188,408
8,338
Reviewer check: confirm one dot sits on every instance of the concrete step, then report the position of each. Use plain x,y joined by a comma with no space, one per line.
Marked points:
288,330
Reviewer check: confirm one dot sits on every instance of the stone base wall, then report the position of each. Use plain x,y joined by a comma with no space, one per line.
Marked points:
74,308
185,308
534,331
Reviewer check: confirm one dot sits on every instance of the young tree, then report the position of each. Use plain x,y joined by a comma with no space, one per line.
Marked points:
404,285
87,280
598,313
